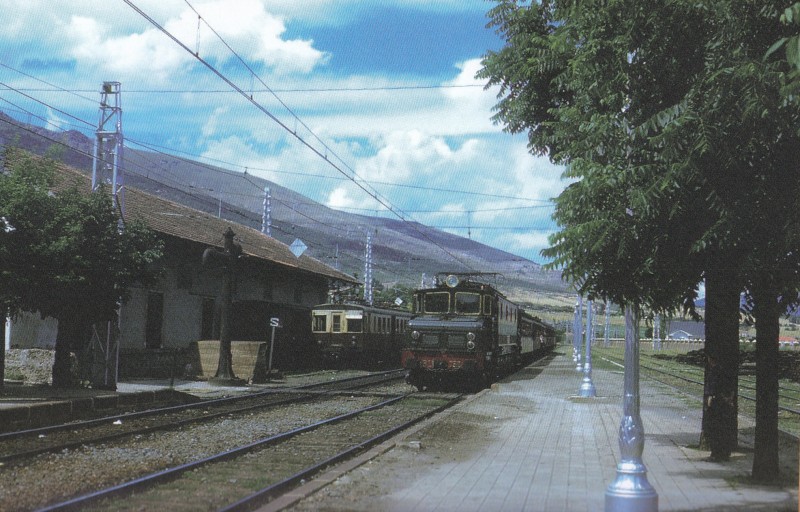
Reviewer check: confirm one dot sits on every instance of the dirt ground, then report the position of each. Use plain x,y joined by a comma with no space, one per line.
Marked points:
364,489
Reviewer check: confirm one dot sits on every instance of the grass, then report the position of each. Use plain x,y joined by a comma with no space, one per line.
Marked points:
666,361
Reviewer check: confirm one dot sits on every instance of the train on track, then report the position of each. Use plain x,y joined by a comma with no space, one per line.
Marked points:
354,334
464,332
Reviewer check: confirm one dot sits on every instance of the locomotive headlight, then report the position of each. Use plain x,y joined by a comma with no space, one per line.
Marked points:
471,336
470,345
415,335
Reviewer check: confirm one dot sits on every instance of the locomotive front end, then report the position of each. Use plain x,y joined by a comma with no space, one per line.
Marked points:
438,348
450,339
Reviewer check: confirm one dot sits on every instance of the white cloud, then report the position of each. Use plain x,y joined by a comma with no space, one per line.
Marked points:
400,154
210,127
340,198
241,155
111,38
147,53
531,240
54,122
254,33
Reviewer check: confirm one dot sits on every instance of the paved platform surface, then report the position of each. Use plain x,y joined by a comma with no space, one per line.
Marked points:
545,449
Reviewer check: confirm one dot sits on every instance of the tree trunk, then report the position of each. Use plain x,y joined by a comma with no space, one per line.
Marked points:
73,335
3,353
767,315
722,341
62,376
225,364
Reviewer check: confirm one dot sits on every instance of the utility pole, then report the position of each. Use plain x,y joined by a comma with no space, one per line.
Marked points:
368,271
108,145
266,214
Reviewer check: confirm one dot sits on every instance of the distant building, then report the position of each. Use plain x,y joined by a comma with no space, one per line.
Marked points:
680,335
686,330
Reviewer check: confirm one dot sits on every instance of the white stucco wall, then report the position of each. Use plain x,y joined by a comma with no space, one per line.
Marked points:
28,330
183,307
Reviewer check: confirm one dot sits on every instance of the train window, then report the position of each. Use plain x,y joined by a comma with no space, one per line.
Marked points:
336,325
355,321
355,325
487,304
437,302
468,303
320,323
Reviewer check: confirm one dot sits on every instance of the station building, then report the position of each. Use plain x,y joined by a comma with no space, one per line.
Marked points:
159,325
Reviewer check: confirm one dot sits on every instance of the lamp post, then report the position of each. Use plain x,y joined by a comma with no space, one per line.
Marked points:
587,389
225,259
631,492
657,333
576,335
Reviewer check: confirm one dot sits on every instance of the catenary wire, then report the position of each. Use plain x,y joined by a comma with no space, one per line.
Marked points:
269,114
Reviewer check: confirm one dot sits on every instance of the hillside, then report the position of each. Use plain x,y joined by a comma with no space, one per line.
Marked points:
402,251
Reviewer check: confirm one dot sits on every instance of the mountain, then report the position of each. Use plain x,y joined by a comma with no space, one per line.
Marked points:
401,251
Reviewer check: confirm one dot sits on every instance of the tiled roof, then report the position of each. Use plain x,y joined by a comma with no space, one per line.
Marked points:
186,223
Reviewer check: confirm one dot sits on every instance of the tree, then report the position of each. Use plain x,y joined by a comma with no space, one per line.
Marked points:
790,44
659,110
66,257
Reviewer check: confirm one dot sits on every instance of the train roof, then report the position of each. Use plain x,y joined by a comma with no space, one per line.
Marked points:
465,280
361,306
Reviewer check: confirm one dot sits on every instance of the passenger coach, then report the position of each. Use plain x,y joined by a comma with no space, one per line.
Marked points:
358,334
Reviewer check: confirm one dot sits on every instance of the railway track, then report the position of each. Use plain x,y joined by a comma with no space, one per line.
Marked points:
252,474
688,380
22,444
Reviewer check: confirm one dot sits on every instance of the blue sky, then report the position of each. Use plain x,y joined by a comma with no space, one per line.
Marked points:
386,90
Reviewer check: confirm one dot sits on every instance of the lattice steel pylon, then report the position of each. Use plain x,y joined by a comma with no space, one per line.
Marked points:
368,271
266,215
108,145
106,170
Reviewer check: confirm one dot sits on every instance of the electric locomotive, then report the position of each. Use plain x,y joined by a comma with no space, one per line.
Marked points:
353,334
466,332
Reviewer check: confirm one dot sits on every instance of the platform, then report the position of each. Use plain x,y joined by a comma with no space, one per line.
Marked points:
529,444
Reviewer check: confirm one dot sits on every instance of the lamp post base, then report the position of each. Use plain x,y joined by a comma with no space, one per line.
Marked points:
587,389
631,492
227,381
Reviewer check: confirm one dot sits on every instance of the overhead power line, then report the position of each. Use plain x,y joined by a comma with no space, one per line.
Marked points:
288,90
197,159
249,97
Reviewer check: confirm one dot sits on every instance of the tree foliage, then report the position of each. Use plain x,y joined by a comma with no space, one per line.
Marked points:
673,120
65,256
581,78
